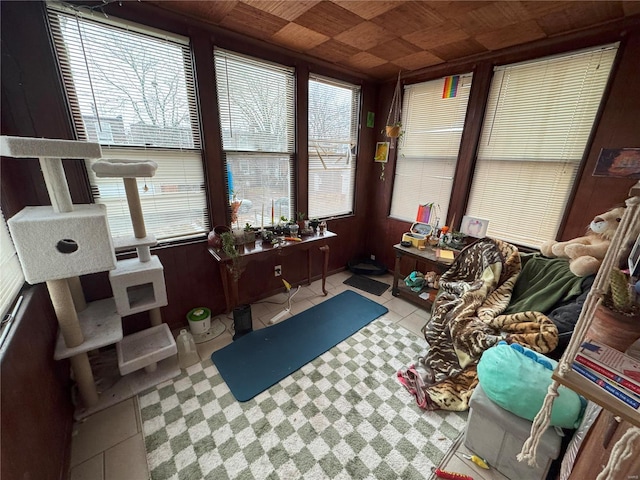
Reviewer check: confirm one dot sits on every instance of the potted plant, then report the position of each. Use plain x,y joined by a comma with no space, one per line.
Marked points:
268,236
300,220
238,235
231,250
249,234
214,238
394,125
313,223
616,321
393,130
230,247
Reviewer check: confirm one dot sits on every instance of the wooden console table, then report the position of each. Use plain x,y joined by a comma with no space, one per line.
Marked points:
231,271
430,262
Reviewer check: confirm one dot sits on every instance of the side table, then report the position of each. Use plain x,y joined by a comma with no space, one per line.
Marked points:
420,260
230,272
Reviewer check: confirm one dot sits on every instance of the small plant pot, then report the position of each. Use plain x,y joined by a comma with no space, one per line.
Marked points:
392,131
214,238
249,236
267,237
615,329
238,236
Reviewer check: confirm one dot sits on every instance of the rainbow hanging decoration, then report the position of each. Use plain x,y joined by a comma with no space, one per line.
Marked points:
450,86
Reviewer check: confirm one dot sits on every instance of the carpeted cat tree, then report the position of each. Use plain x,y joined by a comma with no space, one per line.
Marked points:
58,243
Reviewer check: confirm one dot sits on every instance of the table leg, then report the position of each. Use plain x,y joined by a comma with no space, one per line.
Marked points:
396,274
325,264
224,276
308,266
234,273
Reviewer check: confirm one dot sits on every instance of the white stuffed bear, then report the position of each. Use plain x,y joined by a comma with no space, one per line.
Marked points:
586,253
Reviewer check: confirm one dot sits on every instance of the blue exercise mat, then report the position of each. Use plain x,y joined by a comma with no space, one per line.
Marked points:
263,357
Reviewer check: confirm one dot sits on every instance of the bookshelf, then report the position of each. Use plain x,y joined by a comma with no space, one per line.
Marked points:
625,235
584,387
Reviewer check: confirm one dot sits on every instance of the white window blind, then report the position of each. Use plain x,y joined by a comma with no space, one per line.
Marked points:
132,90
428,149
256,103
538,119
11,278
334,109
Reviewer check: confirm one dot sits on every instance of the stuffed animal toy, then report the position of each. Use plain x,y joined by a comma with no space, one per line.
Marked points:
432,280
586,253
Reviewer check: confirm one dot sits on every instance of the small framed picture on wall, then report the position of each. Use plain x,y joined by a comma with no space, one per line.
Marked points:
382,152
618,162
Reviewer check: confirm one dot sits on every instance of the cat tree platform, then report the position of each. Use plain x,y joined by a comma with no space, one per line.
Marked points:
143,349
101,326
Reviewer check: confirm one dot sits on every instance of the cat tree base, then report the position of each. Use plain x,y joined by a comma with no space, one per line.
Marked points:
129,386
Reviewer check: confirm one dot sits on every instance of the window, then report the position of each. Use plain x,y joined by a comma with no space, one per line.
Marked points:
433,115
11,279
538,119
256,104
132,90
333,139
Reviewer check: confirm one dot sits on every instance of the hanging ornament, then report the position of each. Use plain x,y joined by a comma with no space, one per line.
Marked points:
394,125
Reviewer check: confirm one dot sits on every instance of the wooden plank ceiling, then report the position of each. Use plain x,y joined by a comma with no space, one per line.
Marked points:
380,38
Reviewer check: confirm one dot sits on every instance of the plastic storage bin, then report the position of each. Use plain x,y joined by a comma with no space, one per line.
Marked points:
497,435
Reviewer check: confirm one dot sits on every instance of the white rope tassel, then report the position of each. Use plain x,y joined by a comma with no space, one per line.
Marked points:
622,451
538,427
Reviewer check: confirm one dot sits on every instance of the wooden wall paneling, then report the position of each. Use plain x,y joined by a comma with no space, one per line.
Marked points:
594,454
26,185
365,176
29,73
217,200
380,240
301,173
463,176
32,91
36,395
192,279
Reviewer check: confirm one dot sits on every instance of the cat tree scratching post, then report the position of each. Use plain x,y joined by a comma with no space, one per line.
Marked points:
34,229
140,231
59,243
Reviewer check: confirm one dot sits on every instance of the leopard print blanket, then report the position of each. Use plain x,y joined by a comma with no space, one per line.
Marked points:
466,320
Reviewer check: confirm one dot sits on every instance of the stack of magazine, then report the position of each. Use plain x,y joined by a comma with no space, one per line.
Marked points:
616,373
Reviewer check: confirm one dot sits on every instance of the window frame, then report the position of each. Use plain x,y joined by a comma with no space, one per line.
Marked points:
436,85
577,161
354,141
195,206
224,58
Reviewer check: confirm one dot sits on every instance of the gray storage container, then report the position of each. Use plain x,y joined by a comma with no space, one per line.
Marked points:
497,435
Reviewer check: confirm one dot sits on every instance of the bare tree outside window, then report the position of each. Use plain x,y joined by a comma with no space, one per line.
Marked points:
333,122
257,121
133,92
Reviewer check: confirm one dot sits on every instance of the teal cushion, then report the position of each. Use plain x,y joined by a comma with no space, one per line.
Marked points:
517,378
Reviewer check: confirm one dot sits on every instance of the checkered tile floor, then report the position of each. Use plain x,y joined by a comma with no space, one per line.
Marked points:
342,416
